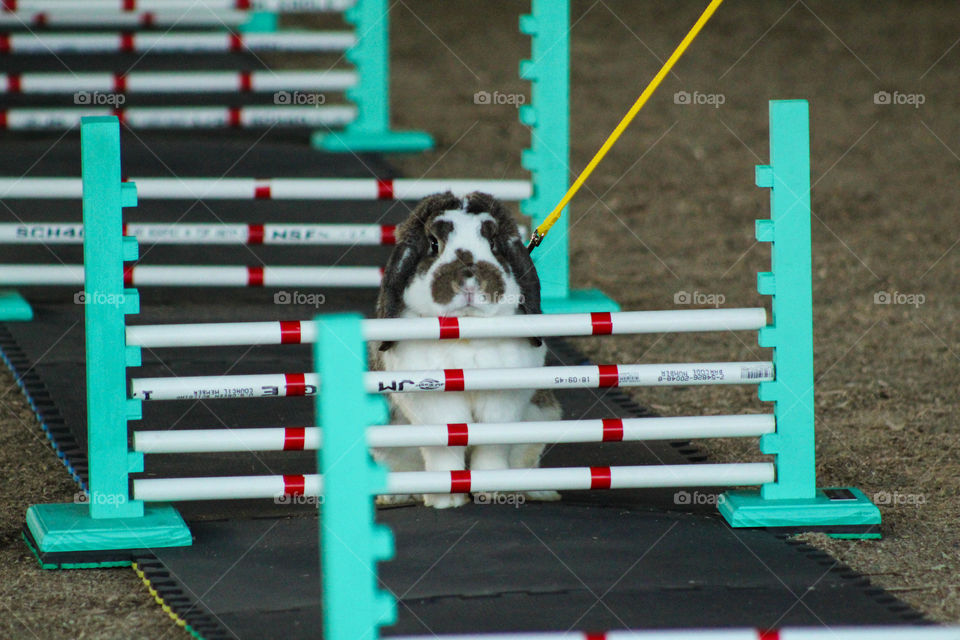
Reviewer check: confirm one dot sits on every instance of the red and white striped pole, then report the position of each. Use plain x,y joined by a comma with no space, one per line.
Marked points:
180,82
196,16
453,328
461,434
271,188
897,632
577,377
180,42
466,481
30,119
277,6
24,275
192,234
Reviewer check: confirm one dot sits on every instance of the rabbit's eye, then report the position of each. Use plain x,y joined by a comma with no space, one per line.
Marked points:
434,246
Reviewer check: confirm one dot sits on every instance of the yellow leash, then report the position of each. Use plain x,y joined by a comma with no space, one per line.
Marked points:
541,231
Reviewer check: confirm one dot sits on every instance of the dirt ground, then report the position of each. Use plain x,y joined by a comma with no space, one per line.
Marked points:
671,210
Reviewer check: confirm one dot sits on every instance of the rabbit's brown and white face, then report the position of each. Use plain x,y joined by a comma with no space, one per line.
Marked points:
459,257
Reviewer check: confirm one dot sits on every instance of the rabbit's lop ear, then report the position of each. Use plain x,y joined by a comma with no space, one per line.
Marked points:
412,246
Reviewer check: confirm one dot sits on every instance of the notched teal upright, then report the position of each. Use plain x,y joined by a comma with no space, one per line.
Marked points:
793,499
548,158
351,543
106,519
371,58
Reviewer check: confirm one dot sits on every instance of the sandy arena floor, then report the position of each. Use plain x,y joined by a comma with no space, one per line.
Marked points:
671,210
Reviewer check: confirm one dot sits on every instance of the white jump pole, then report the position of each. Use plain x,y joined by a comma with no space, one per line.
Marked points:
506,480
197,16
461,434
179,42
277,6
271,188
897,632
25,275
30,119
393,329
578,377
182,82
192,234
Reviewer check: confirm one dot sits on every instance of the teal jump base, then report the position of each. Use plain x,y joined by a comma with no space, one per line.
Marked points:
838,512
374,141
67,536
14,307
579,301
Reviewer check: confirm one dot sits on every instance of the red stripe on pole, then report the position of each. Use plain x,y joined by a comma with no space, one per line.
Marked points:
13,83
3,118
457,434
147,19
126,42
612,430
290,332
768,634
388,234
384,189
4,43
246,81
255,234
254,276
121,116
609,377
243,5
236,42
9,5
40,20
128,276
460,481
129,5
595,635
294,485
234,117
602,323
295,383
294,438
599,477
453,379
262,192
119,83
449,328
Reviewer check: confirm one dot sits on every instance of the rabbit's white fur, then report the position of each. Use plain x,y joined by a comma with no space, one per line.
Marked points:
465,232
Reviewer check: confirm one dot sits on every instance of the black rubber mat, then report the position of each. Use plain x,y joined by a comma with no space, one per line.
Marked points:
631,558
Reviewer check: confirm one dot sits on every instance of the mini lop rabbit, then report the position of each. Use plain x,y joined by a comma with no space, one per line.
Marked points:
462,257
